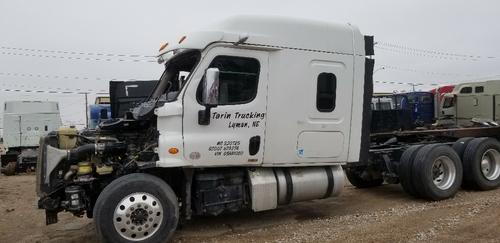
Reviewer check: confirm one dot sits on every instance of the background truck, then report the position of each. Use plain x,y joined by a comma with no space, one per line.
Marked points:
402,111
471,104
24,122
99,111
266,116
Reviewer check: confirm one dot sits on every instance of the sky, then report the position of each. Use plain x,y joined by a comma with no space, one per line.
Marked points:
63,45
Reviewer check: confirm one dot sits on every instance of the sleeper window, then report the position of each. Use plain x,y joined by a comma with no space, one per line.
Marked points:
466,90
238,79
326,92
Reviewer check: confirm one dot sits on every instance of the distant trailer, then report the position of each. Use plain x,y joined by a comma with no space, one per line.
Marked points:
24,122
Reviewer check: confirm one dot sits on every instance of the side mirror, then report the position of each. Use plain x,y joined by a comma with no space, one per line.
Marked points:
211,87
210,95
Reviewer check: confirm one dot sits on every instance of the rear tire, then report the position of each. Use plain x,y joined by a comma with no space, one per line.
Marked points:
460,145
405,170
482,163
136,208
437,172
361,177
10,169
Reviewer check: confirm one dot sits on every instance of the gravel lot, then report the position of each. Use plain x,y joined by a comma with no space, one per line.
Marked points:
384,214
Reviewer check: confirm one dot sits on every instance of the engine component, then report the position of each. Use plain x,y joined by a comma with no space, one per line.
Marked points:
73,169
84,168
218,191
67,137
75,196
103,169
81,153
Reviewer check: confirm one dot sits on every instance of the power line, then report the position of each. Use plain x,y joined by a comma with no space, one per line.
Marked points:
418,54
49,76
433,52
52,91
74,58
409,83
50,88
32,75
423,72
76,52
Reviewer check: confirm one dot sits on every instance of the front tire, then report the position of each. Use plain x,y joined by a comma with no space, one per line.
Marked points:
136,208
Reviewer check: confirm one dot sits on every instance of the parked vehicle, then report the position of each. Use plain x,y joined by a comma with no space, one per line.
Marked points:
24,122
420,103
439,94
99,111
470,102
267,116
402,111
388,116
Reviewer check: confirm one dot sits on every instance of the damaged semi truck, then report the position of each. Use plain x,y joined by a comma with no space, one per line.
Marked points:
254,113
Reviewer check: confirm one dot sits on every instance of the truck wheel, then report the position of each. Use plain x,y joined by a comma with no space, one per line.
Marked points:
460,145
9,169
136,208
362,177
405,169
437,172
482,163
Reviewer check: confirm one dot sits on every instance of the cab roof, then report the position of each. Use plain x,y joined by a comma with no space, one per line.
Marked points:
277,32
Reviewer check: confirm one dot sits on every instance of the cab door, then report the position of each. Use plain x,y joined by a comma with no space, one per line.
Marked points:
234,133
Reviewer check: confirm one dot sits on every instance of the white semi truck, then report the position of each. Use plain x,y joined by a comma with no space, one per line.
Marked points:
270,112
479,101
24,122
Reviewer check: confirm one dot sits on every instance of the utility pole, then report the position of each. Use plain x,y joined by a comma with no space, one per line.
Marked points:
86,110
413,85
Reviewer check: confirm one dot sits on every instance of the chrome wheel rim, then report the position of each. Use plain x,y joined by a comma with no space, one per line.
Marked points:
490,164
138,216
443,172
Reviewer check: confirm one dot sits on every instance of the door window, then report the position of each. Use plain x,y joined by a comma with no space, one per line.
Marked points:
238,79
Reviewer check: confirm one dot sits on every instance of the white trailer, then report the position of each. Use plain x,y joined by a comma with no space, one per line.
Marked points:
24,122
270,111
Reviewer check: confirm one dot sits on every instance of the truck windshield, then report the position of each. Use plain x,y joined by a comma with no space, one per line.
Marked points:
448,102
177,71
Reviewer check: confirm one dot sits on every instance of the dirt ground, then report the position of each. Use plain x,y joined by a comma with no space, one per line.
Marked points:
384,214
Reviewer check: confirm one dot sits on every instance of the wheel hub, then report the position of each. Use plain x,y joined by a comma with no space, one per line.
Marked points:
138,216
443,172
490,164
